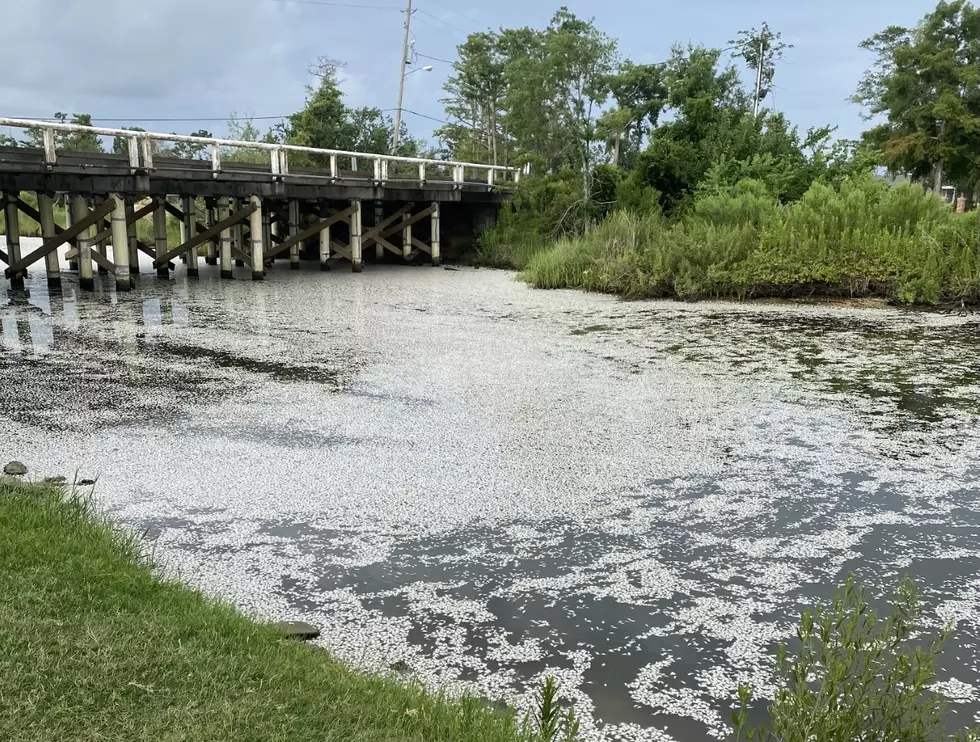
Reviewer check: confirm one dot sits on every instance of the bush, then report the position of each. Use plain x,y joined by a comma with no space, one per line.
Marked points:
855,677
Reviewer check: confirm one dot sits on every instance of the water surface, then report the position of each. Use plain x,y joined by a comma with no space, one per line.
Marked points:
493,484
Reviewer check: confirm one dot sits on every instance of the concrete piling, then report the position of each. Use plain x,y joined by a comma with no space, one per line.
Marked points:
357,262
160,235
86,280
12,223
435,235
293,231
256,234
120,243
45,207
190,231
224,245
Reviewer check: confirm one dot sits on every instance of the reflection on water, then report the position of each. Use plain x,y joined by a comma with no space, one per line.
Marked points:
482,485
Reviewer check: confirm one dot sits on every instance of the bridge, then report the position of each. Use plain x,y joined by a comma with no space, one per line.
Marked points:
242,204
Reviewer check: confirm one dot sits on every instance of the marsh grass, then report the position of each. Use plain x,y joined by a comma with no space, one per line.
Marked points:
97,645
862,239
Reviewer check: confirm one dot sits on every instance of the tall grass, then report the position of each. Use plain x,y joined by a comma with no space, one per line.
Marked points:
863,238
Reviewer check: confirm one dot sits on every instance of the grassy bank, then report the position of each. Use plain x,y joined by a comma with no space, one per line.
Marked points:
95,646
861,239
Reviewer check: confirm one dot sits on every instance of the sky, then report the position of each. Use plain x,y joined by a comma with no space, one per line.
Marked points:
129,61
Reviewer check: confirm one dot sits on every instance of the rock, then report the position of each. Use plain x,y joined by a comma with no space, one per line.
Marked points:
15,469
85,482
298,630
400,666
54,480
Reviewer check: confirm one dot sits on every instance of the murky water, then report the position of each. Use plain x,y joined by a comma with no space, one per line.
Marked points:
493,484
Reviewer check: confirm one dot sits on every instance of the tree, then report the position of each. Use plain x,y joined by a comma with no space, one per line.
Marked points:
69,141
193,151
760,49
925,82
120,145
474,101
641,95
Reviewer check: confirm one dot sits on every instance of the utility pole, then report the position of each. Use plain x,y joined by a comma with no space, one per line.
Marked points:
758,75
401,79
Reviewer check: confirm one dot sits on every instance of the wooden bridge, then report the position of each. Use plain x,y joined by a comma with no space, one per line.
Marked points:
243,203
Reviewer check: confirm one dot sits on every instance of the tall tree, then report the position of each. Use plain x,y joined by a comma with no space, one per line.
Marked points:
193,151
925,82
120,145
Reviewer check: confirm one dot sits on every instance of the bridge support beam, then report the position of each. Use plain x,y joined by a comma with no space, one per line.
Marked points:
120,243
379,215
324,241
237,236
190,231
406,236
256,238
293,231
210,256
79,210
436,252
224,249
357,261
12,223
99,246
69,220
131,238
160,235
45,208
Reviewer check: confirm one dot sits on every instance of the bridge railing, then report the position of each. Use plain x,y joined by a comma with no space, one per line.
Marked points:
381,168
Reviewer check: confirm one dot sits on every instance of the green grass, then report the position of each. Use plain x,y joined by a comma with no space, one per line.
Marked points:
96,645
861,239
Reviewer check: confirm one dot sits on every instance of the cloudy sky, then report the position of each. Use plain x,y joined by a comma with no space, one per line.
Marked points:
129,61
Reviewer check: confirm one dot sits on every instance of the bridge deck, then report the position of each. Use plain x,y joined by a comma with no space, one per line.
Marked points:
25,169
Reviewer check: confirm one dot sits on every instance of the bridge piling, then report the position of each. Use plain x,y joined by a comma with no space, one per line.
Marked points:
160,234
131,237
120,243
324,239
379,215
357,262
190,230
256,236
210,257
406,237
237,235
52,267
45,208
69,220
293,231
79,210
12,224
436,251
224,250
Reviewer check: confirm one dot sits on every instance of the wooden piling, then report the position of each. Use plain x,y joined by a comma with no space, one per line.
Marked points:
79,210
256,236
12,222
45,208
120,243
160,235
357,262
224,244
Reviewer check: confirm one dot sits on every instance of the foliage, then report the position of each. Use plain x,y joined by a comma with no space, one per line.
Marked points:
926,82
554,724
640,93
860,237
68,141
856,676
148,658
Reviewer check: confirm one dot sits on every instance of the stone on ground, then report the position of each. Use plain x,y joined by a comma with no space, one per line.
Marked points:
298,630
15,469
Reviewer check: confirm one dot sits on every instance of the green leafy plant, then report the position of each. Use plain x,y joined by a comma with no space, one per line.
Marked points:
553,723
856,677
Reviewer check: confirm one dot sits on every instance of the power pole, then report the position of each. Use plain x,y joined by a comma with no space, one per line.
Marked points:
758,76
401,80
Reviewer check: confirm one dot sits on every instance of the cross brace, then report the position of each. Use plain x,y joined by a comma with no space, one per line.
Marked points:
53,243
207,234
310,231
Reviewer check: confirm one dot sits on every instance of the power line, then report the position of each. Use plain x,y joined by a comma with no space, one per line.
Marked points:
435,59
159,120
338,5
443,21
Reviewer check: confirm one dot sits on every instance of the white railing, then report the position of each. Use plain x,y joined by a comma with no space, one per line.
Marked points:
140,151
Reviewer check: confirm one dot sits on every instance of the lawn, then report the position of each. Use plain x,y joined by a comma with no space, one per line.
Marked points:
96,645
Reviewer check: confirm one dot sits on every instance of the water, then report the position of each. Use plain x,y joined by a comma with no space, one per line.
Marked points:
492,484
